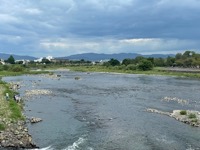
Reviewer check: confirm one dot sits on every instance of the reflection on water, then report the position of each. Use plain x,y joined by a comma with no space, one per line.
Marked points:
107,111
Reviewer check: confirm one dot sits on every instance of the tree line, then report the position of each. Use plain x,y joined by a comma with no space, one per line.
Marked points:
189,59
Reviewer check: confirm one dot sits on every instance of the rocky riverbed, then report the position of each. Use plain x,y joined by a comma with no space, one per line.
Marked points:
15,135
190,117
29,93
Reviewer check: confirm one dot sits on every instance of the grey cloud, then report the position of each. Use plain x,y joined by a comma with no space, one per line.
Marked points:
111,20
127,18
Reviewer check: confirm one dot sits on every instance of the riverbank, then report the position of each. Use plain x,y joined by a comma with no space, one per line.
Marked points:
13,131
156,71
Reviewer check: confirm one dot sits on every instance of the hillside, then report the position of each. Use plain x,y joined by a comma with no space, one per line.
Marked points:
120,56
17,57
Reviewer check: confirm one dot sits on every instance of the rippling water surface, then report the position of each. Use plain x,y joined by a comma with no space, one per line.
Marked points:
107,111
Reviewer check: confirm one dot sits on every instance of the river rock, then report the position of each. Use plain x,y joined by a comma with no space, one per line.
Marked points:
158,111
175,99
35,120
29,93
14,137
77,78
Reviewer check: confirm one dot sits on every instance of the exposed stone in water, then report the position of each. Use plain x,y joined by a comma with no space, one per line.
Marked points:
35,120
29,93
77,78
193,121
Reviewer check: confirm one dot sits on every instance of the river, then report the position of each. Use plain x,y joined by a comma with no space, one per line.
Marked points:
104,111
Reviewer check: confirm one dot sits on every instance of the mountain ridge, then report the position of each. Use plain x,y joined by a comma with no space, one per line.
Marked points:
17,57
90,56
118,56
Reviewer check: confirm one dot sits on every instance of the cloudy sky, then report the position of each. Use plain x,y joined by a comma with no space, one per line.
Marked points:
65,27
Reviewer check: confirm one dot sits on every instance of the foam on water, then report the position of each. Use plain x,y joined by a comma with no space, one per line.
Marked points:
46,148
76,144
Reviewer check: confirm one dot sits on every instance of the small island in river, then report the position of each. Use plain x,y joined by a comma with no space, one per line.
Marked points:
190,117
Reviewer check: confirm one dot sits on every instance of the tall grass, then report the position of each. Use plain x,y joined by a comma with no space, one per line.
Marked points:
14,108
16,111
191,116
2,127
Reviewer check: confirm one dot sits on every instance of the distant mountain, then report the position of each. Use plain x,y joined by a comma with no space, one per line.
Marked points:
17,57
120,56
90,56
159,55
96,57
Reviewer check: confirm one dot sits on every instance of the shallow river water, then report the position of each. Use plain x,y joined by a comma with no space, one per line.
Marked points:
108,111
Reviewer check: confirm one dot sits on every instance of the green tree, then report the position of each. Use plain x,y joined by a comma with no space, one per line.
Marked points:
170,61
11,60
188,53
138,59
127,61
178,56
179,63
188,62
145,65
159,62
151,59
114,62
46,61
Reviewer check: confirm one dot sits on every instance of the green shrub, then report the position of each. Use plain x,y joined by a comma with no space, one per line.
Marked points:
195,120
191,116
131,67
122,67
115,67
5,67
16,69
145,65
2,127
1,68
183,112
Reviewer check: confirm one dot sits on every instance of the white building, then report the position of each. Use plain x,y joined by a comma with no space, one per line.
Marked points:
49,58
23,61
2,62
40,59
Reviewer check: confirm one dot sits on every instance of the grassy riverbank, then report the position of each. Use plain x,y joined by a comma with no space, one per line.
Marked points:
155,71
10,111
11,73
14,132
